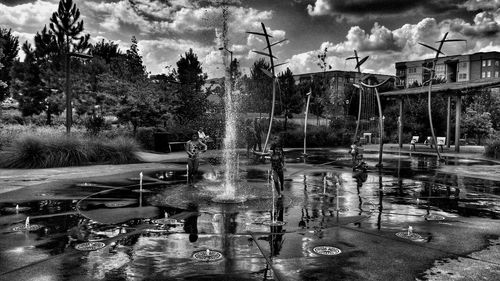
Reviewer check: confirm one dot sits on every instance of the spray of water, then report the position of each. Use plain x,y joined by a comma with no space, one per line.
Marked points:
231,115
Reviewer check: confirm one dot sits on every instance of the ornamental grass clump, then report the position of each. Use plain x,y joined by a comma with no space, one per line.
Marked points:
36,151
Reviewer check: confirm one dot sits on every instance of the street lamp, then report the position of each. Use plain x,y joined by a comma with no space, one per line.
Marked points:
69,111
230,52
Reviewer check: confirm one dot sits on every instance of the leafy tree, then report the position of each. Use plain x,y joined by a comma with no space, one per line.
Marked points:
9,46
31,88
291,100
191,100
260,86
476,124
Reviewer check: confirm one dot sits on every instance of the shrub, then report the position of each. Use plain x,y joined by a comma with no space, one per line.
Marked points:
95,124
145,137
492,147
62,151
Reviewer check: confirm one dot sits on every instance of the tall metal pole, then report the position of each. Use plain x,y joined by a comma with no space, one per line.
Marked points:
400,123
458,113
305,120
448,123
274,86
381,130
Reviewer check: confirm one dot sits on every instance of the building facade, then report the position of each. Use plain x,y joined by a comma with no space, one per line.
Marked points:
472,67
340,82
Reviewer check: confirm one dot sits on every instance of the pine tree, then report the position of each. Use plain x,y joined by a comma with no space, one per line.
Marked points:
9,46
192,101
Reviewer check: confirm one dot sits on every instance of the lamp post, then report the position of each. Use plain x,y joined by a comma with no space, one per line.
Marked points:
69,110
230,52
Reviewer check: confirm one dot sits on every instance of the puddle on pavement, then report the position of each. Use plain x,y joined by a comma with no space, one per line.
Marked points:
155,233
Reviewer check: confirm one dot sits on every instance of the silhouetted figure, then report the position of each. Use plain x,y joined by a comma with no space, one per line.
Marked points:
193,148
258,134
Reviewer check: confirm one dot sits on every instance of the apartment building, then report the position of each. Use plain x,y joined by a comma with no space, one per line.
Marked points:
471,67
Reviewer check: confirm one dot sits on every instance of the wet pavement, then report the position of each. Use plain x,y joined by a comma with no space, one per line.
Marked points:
451,208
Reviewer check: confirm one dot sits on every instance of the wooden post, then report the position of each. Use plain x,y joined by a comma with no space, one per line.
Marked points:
400,123
448,125
458,113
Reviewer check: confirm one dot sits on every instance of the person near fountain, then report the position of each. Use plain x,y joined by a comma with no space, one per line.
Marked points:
277,166
251,137
193,148
258,134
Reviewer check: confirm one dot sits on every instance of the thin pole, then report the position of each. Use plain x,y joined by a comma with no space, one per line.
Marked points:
381,129
305,120
274,86
272,191
458,112
448,123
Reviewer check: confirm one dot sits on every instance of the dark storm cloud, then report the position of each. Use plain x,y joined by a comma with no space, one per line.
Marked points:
382,7
15,2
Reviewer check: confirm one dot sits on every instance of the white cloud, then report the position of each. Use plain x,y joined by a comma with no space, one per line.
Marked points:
27,17
385,46
474,5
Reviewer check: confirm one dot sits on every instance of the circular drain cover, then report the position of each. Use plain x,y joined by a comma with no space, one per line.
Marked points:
223,200
410,236
207,255
143,190
433,217
86,184
165,221
90,246
13,209
118,204
273,223
326,250
31,227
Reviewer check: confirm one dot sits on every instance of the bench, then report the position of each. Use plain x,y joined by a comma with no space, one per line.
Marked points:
441,141
170,143
413,141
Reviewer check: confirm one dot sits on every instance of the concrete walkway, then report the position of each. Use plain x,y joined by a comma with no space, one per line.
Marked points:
13,179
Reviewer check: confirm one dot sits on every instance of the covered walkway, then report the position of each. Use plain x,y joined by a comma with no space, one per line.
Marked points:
456,90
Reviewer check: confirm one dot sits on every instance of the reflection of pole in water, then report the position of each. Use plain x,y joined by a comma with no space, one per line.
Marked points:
272,191
380,206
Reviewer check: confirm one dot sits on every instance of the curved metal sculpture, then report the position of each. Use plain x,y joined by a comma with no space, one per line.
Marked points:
433,73
380,117
358,66
271,74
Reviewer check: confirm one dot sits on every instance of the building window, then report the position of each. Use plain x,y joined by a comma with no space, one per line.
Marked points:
351,80
497,63
496,74
489,62
462,76
484,63
483,74
440,68
488,74
464,65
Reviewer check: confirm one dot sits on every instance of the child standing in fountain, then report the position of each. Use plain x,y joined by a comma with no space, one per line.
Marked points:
193,148
277,166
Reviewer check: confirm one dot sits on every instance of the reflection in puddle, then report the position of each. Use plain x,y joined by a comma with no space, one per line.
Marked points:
155,234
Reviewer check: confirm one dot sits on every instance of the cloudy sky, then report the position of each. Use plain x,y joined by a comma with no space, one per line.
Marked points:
386,30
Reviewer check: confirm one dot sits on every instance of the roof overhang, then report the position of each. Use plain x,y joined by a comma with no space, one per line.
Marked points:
450,88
